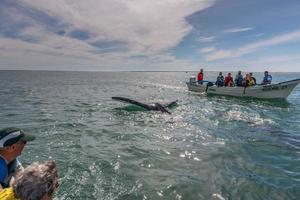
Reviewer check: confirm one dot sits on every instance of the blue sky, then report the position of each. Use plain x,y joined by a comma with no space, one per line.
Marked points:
112,35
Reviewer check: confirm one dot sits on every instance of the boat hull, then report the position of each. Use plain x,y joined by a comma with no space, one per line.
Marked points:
272,91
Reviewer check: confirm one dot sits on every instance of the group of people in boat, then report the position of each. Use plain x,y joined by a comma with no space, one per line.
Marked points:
239,81
38,181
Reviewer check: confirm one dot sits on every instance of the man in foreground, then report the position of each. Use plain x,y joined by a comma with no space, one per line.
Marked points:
12,143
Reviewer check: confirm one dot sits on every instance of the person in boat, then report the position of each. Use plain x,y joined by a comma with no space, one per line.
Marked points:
220,80
253,78
229,80
200,77
12,143
248,80
267,78
38,181
239,80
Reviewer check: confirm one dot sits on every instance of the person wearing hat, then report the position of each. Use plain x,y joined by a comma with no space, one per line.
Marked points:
12,142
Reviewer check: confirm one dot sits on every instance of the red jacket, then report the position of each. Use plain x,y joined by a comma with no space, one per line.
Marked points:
228,79
200,76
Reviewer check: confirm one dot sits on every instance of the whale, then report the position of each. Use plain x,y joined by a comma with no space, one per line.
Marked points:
150,107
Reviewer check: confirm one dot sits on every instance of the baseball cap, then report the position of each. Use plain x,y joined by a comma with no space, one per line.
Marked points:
9,136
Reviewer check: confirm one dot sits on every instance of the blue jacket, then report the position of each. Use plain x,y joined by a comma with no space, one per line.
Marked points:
7,171
239,80
267,79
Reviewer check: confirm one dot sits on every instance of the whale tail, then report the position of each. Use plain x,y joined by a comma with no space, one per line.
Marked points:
156,106
126,100
171,104
161,108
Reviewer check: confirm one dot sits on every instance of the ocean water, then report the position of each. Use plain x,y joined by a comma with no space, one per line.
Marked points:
208,148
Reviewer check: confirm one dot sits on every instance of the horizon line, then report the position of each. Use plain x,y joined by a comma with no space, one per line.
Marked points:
186,71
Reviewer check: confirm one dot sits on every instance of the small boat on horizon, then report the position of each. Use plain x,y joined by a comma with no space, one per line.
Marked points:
271,91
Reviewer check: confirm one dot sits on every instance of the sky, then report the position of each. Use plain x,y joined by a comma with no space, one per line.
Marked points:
150,35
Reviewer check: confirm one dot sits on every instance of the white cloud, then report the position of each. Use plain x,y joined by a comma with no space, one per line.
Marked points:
206,39
220,54
207,49
249,48
237,30
146,28
77,57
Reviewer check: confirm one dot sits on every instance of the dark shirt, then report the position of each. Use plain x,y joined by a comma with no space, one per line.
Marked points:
254,79
239,80
220,81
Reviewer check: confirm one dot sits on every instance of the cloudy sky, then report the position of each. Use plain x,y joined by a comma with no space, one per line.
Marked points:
110,35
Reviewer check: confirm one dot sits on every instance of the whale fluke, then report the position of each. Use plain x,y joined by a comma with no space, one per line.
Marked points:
155,106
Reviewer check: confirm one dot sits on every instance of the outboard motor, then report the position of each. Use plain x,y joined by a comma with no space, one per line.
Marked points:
193,80
210,84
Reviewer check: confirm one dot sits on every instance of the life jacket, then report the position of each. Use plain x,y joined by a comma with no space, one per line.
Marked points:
250,82
7,194
200,76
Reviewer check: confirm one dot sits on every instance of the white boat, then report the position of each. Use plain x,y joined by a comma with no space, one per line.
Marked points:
271,91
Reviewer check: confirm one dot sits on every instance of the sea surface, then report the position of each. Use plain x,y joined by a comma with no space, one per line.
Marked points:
210,147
